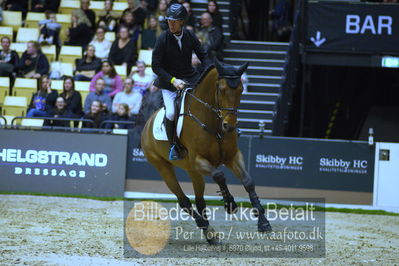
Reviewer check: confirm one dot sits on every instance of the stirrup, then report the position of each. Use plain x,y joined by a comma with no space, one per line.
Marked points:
174,154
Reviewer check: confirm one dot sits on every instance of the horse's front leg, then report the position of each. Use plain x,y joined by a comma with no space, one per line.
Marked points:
238,167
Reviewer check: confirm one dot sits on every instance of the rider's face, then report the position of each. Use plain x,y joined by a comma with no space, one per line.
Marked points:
175,26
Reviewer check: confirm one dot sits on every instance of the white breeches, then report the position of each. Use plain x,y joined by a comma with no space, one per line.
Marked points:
169,101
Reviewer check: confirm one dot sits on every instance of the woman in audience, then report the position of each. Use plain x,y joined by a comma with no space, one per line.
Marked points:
102,45
96,114
33,63
72,98
87,66
142,81
60,110
217,18
43,100
80,33
89,14
191,22
113,82
123,50
149,35
133,28
107,18
122,114
8,58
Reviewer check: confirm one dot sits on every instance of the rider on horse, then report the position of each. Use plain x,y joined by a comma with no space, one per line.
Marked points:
171,61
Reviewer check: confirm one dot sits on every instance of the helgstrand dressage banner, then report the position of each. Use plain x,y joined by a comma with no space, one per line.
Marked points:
353,27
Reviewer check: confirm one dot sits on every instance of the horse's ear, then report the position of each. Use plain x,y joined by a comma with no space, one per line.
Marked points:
218,66
241,69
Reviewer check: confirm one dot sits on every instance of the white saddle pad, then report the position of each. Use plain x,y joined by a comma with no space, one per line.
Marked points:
158,129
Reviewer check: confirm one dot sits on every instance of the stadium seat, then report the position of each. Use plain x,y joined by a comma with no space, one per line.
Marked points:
121,70
97,6
68,53
110,36
33,18
84,88
20,48
27,34
9,119
6,31
65,21
67,6
32,122
4,88
118,7
25,88
13,19
14,106
146,56
57,85
67,68
50,51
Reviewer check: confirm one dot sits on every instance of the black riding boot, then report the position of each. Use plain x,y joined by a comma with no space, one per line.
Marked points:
170,132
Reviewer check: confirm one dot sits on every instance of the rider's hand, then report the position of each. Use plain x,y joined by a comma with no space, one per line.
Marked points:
179,84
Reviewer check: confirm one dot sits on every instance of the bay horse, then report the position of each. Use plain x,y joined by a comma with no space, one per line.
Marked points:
210,137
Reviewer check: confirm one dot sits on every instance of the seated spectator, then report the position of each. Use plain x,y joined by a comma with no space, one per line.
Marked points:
149,35
80,33
98,95
50,30
113,82
281,21
33,63
108,18
133,28
90,14
128,96
121,114
17,5
162,8
142,81
44,5
72,98
191,21
96,114
152,101
87,66
43,100
210,37
102,45
123,50
60,110
8,58
217,18
141,12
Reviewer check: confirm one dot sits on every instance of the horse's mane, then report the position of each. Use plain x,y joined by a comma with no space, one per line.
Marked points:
203,75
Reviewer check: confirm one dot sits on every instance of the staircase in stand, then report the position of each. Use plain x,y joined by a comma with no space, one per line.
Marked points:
266,62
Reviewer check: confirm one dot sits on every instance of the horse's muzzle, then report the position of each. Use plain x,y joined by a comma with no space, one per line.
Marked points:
227,128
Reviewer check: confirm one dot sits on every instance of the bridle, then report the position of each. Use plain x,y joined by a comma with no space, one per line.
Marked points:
218,110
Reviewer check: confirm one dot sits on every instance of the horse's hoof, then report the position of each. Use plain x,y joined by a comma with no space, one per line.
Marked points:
231,207
265,227
211,236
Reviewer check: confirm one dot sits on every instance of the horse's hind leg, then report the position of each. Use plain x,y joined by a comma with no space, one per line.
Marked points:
238,168
207,169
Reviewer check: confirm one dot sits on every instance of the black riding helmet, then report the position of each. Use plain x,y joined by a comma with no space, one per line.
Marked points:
176,12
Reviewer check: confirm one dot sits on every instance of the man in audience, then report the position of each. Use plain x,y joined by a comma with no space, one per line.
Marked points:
211,37
8,58
98,95
128,96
